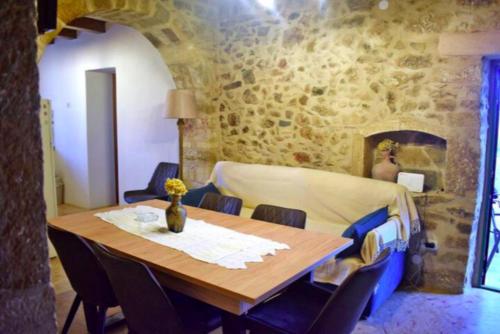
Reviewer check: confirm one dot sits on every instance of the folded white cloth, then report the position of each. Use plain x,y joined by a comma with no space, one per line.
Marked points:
335,271
200,240
380,238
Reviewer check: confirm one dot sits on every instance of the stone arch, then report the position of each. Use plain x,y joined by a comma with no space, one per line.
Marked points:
406,125
366,137
183,35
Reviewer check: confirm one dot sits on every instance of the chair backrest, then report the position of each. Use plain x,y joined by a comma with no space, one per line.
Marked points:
280,215
85,273
144,303
221,203
164,171
344,308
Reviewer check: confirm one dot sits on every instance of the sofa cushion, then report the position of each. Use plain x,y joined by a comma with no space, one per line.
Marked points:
193,196
358,230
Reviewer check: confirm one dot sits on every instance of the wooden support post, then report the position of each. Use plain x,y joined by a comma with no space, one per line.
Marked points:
88,24
180,124
68,33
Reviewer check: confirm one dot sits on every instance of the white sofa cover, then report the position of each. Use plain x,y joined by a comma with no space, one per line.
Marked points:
332,202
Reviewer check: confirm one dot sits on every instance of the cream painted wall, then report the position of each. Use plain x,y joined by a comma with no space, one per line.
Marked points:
142,79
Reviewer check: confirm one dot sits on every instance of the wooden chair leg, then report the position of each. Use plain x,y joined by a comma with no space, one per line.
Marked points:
95,317
90,315
71,314
100,319
232,324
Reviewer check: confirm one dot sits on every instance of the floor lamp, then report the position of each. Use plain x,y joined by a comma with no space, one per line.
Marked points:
181,104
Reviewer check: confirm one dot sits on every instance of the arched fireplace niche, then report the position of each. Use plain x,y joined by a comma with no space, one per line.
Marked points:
420,152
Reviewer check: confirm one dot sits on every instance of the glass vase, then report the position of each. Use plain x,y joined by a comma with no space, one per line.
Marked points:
176,215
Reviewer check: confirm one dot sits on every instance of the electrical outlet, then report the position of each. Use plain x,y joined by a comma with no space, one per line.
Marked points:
431,246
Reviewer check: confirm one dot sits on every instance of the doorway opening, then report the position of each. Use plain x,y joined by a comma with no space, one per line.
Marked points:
488,264
102,137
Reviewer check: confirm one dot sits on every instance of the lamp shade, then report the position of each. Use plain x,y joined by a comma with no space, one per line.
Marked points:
181,104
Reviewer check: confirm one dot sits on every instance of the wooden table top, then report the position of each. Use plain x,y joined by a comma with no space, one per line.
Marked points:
250,286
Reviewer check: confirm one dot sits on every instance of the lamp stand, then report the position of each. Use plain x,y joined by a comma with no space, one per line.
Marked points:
180,125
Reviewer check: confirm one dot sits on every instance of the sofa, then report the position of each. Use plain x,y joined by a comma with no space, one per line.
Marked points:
332,201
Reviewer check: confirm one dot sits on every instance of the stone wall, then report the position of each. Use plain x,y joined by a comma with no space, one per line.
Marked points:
302,86
306,83
26,296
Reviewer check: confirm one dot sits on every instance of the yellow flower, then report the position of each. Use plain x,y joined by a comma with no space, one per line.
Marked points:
175,187
387,145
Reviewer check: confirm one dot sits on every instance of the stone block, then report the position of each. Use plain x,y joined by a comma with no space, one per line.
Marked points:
233,119
153,39
457,242
464,228
28,310
415,62
232,85
355,5
318,91
171,35
460,212
291,37
445,280
248,76
301,157
249,97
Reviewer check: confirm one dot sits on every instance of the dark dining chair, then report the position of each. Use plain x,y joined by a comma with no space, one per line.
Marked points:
87,277
306,308
148,307
156,186
220,203
280,215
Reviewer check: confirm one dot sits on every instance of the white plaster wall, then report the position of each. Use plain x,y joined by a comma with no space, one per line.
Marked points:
142,80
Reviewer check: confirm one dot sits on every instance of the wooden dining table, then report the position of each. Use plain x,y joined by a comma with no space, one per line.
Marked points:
233,290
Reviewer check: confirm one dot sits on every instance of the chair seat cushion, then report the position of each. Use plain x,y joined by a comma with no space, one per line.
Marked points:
134,196
196,316
360,228
293,311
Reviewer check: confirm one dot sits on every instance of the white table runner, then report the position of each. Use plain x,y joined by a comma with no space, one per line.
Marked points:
202,241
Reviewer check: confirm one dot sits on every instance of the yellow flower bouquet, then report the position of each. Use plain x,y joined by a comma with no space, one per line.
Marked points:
175,187
388,145
176,214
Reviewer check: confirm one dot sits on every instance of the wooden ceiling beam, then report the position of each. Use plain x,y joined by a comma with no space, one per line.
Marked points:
68,33
88,24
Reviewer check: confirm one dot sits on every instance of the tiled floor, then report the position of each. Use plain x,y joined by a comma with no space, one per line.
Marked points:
67,209
475,311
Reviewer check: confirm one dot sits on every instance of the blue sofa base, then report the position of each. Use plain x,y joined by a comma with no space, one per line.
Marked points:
389,282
